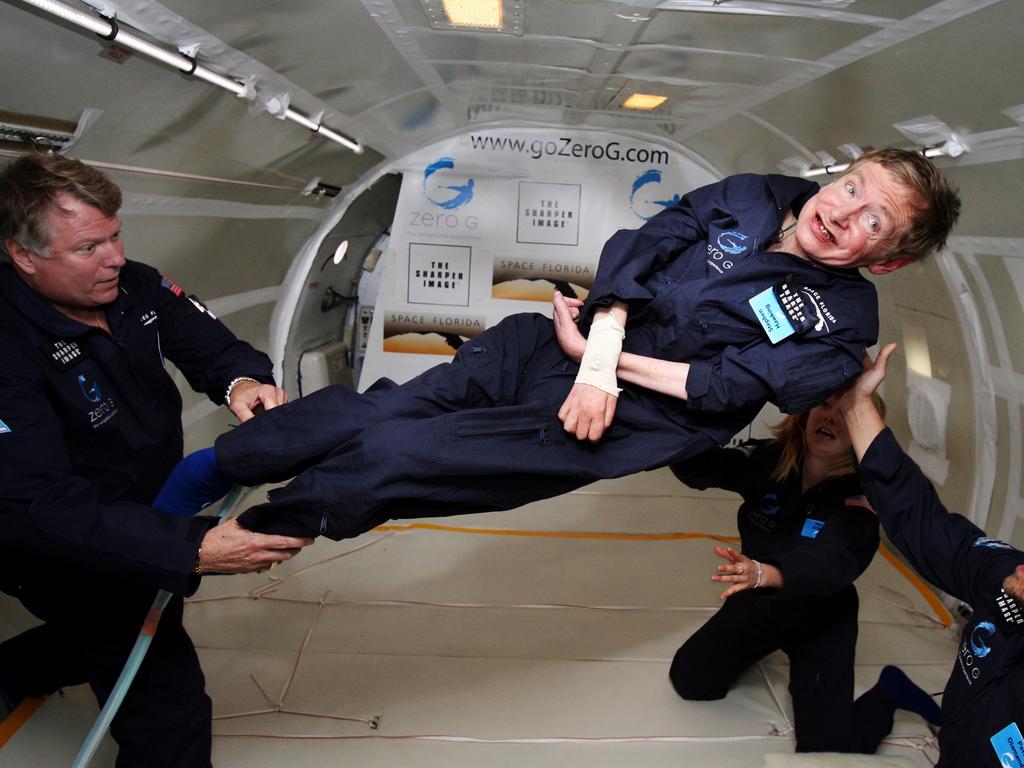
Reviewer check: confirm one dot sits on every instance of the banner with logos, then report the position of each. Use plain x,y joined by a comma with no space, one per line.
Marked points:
493,222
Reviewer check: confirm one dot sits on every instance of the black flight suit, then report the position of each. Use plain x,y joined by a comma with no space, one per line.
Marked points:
482,432
983,704
90,427
821,540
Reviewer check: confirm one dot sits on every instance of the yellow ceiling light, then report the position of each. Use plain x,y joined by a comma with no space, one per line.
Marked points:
480,14
644,101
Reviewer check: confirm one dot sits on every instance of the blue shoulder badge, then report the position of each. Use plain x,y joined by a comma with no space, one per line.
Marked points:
4,429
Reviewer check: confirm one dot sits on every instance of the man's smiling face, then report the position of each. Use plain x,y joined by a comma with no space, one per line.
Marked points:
857,221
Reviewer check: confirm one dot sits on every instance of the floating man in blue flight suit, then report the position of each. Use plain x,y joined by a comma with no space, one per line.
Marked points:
746,291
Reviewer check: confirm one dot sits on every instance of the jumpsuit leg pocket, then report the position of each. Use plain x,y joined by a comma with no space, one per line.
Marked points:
498,423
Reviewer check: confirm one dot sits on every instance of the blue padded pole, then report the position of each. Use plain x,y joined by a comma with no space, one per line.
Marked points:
131,666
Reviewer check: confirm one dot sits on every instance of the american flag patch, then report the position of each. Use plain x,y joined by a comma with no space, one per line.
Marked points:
859,501
171,286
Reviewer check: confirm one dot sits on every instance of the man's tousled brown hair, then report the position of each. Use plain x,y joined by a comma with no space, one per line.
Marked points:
31,187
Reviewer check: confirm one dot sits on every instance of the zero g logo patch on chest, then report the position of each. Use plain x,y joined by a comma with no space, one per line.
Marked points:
722,253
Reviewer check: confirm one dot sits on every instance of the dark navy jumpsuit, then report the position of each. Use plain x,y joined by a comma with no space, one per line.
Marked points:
821,540
983,703
482,432
90,426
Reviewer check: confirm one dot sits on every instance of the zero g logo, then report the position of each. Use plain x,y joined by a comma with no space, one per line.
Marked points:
102,413
447,196
90,392
726,245
981,633
975,648
767,508
769,504
644,198
732,242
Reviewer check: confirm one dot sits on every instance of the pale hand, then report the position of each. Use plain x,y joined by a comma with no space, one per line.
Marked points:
230,548
740,571
587,412
565,312
248,397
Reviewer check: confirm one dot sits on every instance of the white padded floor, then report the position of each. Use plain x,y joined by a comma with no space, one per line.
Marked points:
537,637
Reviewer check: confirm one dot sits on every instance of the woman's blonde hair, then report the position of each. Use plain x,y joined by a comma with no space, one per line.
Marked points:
790,432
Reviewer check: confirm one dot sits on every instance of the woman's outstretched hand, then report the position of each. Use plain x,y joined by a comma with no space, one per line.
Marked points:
743,572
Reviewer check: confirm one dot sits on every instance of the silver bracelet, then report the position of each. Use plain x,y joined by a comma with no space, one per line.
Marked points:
227,394
760,573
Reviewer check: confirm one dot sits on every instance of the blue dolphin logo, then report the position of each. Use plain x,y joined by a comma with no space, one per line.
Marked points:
653,176
91,392
463,193
732,242
982,632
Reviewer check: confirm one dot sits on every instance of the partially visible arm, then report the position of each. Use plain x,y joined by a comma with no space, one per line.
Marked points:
48,510
664,376
730,381
863,421
248,397
631,256
744,573
947,549
590,408
208,354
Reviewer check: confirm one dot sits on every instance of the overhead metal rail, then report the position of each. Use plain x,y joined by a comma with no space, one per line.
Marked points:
108,29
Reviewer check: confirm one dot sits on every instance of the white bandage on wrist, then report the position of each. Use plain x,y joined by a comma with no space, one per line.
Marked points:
601,357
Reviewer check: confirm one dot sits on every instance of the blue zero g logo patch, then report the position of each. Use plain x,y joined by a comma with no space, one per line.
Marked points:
732,242
645,204
447,196
769,504
981,633
90,392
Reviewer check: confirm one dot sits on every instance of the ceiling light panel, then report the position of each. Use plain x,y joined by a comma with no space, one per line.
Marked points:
644,101
506,16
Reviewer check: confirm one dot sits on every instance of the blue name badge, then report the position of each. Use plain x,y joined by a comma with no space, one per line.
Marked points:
1009,745
811,528
771,316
